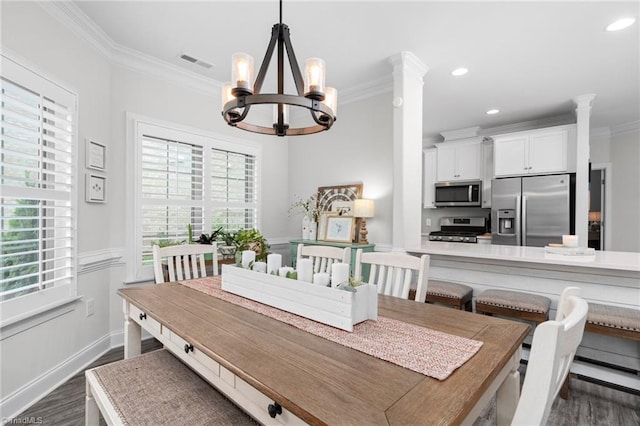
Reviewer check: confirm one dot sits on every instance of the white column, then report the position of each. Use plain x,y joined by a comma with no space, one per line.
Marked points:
408,72
583,112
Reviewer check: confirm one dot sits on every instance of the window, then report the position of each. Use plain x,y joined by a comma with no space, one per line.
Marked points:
186,178
37,211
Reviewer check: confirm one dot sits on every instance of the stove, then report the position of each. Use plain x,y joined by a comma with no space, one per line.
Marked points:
459,229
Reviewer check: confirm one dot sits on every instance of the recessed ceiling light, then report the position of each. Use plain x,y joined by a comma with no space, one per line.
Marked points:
493,111
620,24
459,71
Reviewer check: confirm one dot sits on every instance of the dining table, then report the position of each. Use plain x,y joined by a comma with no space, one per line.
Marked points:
281,374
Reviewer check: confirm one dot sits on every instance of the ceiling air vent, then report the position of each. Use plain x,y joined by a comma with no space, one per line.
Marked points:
196,61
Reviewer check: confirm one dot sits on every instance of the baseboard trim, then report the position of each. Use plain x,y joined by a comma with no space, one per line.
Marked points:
23,398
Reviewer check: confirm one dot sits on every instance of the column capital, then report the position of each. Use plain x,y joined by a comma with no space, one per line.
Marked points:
584,100
408,61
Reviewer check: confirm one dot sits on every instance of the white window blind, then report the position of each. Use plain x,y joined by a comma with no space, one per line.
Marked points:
190,179
37,163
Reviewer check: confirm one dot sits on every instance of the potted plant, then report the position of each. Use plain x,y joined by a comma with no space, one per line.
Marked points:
251,239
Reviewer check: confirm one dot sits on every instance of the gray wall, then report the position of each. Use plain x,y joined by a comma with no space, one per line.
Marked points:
625,214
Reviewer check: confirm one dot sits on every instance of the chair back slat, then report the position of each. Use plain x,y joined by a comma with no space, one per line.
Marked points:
394,273
552,351
324,256
183,262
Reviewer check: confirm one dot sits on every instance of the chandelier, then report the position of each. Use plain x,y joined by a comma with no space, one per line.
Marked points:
240,95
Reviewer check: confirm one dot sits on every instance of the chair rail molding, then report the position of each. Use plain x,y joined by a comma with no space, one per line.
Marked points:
100,259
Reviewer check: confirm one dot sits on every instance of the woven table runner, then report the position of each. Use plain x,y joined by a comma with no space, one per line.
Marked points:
429,352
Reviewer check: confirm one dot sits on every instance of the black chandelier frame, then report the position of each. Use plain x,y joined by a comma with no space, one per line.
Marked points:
322,114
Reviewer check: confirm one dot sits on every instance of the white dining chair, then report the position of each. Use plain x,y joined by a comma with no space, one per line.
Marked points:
393,273
183,262
324,256
552,350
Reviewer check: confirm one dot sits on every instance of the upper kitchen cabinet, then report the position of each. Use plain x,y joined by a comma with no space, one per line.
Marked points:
429,178
533,152
459,160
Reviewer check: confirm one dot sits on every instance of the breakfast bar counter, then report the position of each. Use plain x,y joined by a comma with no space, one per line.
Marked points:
612,260
606,277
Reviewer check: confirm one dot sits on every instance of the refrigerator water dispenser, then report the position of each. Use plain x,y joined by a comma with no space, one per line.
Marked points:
507,222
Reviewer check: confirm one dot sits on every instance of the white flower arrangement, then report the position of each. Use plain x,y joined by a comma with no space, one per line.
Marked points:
308,207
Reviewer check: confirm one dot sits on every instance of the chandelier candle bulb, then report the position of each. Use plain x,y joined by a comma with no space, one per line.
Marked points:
339,273
274,262
305,270
242,73
248,256
331,99
314,78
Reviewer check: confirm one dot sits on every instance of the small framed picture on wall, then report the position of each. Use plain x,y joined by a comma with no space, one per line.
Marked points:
95,188
96,155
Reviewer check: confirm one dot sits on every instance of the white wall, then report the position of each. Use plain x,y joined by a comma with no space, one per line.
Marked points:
625,215
37,359
32,355
358,148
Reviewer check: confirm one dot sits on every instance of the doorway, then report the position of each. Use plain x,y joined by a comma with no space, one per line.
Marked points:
597,208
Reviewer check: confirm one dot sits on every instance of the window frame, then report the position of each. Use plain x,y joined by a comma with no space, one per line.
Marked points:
137,125
20,308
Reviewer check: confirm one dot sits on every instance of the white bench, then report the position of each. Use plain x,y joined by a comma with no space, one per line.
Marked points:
154,389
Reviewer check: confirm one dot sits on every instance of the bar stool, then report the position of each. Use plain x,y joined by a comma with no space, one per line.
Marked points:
457,295
514,304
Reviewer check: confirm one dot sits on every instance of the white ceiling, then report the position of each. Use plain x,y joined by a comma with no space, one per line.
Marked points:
528,59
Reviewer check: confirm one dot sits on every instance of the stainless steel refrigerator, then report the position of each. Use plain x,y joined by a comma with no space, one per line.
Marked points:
532,211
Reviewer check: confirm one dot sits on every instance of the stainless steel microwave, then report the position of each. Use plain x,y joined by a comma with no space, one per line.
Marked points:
458,194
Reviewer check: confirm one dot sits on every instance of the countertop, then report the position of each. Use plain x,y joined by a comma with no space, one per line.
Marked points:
622,261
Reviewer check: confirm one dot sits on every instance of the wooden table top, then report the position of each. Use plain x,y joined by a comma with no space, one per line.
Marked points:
323,382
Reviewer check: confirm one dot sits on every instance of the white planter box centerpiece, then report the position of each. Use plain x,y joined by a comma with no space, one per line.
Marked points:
338,308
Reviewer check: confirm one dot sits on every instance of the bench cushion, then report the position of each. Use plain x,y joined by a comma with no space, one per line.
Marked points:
449,289
157,388
614,316
515,300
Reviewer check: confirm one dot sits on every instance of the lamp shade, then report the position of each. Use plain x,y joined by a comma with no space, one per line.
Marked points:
363,208
242,73
314,71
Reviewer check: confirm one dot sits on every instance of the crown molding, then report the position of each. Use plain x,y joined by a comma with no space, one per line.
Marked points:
72,17
366,90
623,129
529,125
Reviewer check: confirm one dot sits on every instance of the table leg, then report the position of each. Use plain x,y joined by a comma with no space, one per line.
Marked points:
91,410
508,393
132,334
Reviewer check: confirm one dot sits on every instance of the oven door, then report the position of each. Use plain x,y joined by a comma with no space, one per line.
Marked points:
452,194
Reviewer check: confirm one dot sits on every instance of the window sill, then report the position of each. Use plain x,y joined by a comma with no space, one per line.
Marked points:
27,320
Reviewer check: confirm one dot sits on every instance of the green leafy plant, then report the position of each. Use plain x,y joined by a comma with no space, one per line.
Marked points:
252,239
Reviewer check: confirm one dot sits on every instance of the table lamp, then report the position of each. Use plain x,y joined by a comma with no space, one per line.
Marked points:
363,209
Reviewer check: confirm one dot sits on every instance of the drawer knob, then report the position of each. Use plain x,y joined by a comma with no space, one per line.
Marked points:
274,409
143,316
188,348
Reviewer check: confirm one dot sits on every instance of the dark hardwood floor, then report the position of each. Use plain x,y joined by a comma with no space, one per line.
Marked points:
588,404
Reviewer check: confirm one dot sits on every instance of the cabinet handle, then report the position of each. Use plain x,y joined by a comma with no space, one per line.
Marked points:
274,409
143,316
188,348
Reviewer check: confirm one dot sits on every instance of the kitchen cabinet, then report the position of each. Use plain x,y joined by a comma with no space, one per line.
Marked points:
487,173
533,152
459,160
429,178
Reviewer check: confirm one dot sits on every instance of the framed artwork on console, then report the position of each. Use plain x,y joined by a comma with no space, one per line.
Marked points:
340,229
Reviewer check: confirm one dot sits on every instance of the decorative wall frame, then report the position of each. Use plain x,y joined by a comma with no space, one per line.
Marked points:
340,229
342,208
322,225
327,195
95,188
95,155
